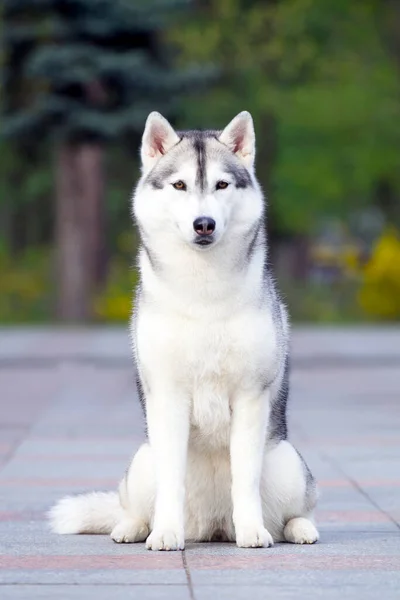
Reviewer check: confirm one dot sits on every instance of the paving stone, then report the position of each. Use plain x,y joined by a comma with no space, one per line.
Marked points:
72,426
389,581
63,468
99,592
290,592
101,576
53,448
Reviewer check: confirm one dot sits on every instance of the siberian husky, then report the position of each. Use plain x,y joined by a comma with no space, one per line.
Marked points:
210,338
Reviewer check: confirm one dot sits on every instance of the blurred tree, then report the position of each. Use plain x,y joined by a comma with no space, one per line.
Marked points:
79,73
324,90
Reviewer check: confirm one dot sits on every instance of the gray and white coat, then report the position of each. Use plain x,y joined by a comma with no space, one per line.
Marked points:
211,343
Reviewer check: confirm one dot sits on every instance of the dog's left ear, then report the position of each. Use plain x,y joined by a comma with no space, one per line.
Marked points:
158,137
239,136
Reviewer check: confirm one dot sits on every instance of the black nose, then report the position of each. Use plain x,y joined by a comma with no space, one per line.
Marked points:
204,225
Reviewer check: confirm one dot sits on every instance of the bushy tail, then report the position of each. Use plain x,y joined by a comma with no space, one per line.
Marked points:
97,512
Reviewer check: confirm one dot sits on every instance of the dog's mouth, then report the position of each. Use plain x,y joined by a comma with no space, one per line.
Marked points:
204,240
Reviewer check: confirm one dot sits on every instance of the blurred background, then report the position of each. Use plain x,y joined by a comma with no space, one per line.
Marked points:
78,79
322,81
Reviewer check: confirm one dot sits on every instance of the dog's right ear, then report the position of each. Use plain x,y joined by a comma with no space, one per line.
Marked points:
158,137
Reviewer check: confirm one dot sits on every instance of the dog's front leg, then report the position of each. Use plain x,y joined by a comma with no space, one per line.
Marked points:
168,427
249,424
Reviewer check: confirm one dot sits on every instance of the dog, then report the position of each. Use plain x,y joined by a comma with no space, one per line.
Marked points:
211,343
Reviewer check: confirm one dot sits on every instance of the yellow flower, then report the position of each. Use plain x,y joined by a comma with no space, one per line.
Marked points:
379,295
114,304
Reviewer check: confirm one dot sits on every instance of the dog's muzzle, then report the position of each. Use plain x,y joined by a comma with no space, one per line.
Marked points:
204,228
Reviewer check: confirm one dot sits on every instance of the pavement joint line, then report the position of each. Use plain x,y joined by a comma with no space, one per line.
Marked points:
82,585
287,587
188,575
5,459
27,430
360,489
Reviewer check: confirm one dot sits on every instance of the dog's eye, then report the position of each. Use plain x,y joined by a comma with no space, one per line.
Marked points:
222,185
179,185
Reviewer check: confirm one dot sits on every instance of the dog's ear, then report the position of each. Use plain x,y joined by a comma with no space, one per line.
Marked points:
239,136
158,137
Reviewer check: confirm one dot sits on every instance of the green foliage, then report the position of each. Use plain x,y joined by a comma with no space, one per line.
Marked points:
322,74
88,69
320,78
25,289
81,70
115,302
27,285
334,302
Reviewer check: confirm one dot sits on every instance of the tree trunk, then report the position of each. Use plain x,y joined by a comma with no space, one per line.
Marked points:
91,169
6,223
79,229
301,257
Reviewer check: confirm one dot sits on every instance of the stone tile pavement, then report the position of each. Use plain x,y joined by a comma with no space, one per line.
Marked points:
69,421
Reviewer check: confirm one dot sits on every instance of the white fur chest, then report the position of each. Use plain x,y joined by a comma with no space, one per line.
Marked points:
211,369
210,360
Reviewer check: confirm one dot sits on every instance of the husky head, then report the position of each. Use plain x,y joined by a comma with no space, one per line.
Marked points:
198,187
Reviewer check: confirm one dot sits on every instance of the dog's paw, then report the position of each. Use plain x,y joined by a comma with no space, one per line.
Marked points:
300,531
165,539
129,531
253,537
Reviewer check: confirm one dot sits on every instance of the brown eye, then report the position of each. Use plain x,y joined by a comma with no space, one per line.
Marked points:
222,185
180,185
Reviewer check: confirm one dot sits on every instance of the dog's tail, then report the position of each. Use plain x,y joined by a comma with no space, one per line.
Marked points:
97,512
